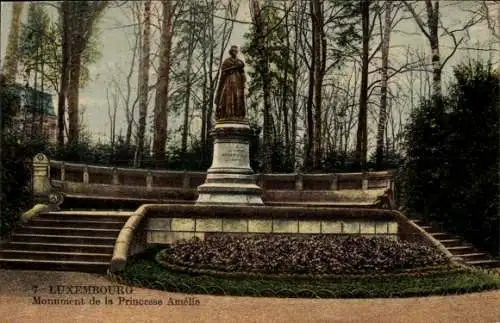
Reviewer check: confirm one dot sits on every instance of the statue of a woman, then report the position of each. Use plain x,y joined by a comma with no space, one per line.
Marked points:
230,98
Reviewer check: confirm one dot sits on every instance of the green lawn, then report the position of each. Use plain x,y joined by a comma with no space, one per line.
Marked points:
144,271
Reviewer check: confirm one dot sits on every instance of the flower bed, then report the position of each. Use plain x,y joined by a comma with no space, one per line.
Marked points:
143,271
316,255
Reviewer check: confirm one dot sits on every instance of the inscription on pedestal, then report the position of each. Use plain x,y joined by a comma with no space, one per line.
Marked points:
234,156
231,154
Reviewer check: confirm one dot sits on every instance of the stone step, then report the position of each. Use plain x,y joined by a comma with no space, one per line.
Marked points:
26,237
88,216
75,223
323,204
443,235
462,249
429,229
64,247
487,263
65,231
450,242
54,255
474,256
84,266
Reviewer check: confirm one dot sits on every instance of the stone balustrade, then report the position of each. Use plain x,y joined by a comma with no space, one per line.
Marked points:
81,180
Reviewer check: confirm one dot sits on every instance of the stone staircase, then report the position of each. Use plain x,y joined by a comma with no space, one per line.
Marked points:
76,241
459,247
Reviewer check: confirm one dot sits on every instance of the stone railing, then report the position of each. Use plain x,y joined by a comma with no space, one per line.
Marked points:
152,186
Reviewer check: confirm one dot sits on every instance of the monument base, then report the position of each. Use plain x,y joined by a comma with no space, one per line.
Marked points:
230,179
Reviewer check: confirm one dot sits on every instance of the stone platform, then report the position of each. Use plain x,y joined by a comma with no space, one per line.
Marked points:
230,179
169,223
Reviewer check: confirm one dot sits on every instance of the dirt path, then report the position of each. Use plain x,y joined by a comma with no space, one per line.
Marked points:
17,298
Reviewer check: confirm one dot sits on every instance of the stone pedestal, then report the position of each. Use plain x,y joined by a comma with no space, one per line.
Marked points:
230,179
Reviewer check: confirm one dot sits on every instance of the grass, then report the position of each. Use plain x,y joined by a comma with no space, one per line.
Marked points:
143,271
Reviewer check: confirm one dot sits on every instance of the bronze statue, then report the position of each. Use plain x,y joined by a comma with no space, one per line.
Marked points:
230,98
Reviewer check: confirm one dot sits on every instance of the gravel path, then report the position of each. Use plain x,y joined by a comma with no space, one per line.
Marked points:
17,294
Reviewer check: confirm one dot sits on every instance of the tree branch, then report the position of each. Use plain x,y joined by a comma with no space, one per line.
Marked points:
417,18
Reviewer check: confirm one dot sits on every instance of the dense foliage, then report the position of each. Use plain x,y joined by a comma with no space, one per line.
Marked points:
319,254
452,166
15,161
143,271
122,155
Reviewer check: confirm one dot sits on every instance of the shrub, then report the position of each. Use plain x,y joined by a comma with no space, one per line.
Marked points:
451,172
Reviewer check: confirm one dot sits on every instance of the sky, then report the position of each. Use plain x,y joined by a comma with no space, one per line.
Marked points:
116,40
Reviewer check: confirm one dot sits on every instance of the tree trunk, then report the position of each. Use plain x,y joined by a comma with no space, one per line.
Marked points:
433,21
362,133
383,85
285,110
73,96
264,71
293,143
205,101
285,88
143,83
129,110
185,128
80,20
309,147
204,111
42,105
63,88
431,33
212,80
319,55
161,98
112,118
34,104
11,54
209,87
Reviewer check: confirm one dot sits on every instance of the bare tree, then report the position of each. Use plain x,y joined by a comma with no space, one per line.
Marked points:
64,82
9,69
263,69
383,89
128,105
162,84
430,29
143,82
112,108
362,133
81,20
298,23
189,81
431,33
285,94
319,56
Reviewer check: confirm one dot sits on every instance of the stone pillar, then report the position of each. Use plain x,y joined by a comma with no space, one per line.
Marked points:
334,185
364,183
41,174
115,180
299,184
186,180
149,181
230,179
85,174
63,172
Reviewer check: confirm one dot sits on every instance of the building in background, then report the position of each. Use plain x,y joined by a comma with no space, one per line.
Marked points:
35,117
